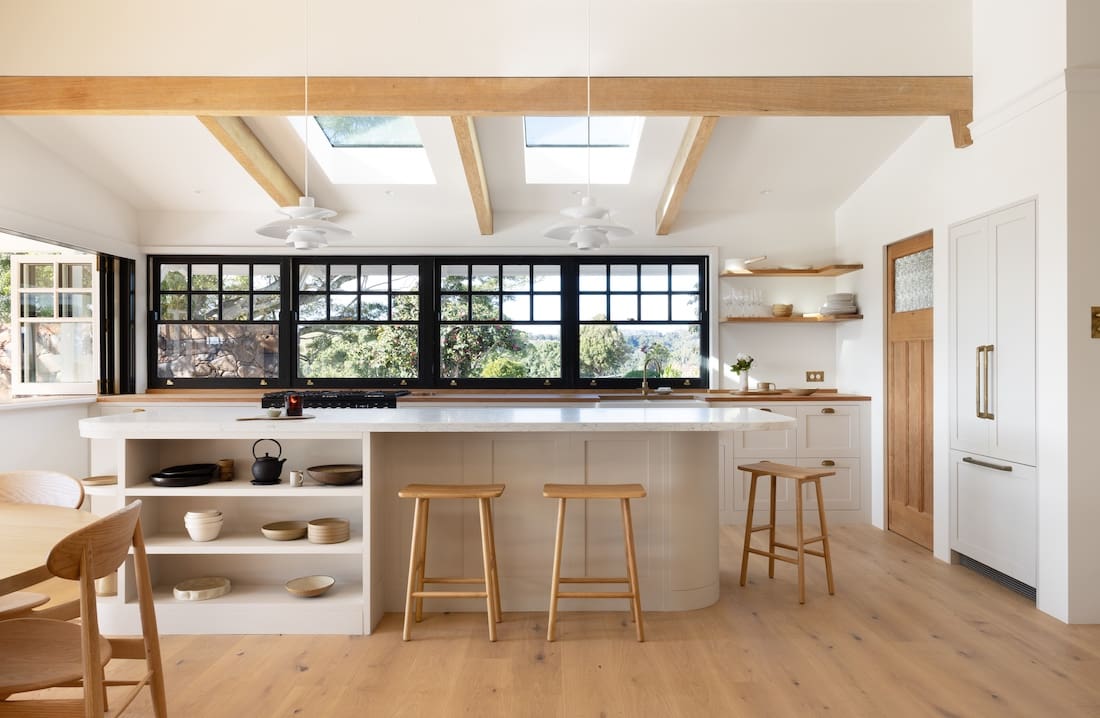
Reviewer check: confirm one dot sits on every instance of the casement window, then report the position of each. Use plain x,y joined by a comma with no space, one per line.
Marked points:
454,321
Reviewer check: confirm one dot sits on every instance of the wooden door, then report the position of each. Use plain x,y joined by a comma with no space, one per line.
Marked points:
909,388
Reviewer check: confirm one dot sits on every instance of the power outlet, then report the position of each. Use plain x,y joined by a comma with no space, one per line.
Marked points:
815,376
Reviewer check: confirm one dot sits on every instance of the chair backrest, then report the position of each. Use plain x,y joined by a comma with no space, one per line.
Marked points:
105,542
50,488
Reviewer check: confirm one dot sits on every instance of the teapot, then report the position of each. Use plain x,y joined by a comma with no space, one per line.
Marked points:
266,468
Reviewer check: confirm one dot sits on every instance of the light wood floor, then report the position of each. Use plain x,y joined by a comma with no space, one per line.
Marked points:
905,635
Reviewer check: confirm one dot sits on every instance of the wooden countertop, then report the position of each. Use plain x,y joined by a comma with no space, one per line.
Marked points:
487,396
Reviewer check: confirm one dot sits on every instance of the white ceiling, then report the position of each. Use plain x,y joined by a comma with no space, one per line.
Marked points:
752,165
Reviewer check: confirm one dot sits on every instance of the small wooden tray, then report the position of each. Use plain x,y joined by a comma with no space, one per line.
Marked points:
275,418
100,480
755,392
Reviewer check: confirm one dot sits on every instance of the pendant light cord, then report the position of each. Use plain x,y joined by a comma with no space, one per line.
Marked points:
588,95
305,91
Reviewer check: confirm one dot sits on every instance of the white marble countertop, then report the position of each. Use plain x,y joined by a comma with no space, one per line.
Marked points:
222,422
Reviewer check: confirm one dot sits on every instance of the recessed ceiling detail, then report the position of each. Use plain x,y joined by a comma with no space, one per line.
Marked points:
566,150
365,164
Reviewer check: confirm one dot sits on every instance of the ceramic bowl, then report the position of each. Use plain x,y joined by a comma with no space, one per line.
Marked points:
310,586
284,530
202,520
201,589
207,532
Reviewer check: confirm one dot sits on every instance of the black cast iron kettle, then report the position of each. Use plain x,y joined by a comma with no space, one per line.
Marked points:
266,468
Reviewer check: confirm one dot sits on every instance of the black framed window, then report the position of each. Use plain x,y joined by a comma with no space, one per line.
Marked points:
358,322
634,309
500,322
448,321
217,322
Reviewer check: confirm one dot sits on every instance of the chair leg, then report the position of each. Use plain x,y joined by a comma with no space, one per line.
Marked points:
487,569
801,546
771,531
632,568
493,556
825,539
748,531
414,558
551,624
422,564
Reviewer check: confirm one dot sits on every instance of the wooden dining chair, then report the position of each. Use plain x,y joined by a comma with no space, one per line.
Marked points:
39,653
49,488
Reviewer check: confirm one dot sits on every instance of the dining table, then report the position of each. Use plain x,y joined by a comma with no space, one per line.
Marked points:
27,534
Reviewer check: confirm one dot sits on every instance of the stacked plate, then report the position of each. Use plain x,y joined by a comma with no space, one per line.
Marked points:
840,303
328,530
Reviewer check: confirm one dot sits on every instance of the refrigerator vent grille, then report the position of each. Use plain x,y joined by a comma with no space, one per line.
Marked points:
1005,580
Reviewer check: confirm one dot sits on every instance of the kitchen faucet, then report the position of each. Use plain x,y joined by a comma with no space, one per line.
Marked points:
646,361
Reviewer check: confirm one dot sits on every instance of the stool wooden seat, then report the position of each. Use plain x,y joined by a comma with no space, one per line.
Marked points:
623,492
801,476
414,597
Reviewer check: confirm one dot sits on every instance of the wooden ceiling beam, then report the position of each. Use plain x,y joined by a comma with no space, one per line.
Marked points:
459,96
687,160
250,153
470,151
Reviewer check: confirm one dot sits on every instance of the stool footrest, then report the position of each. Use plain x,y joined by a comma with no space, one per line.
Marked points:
454,579
596,594
776,556
449,594
810,552
593,579
765,527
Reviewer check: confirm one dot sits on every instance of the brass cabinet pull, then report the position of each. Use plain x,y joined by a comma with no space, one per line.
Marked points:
981,381
828,462
986,464
828,410
985,388
978,351
764,409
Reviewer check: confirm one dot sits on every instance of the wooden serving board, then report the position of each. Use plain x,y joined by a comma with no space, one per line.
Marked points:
755,392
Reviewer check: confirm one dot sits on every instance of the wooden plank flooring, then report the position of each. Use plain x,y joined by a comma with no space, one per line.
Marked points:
905,635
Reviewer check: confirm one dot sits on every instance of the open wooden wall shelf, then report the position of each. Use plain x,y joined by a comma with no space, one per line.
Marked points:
831,270
799,320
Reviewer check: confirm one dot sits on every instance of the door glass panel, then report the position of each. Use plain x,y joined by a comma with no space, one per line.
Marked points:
913,281
75,304
76,276
37,276
37,304
58,353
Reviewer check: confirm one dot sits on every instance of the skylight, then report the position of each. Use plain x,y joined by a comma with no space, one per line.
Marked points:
557,149
370,131
364,150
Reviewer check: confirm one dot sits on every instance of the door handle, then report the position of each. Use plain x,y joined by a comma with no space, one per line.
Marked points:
988,362
986,464
982,381
978,351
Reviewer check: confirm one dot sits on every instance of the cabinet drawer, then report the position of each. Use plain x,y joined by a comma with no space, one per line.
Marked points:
841,492
828,431
774,445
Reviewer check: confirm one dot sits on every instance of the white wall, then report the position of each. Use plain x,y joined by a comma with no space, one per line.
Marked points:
44,437
1019,153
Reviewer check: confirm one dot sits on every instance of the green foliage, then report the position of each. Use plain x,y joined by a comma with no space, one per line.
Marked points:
5,288
465,348
503,367
330,352
603,350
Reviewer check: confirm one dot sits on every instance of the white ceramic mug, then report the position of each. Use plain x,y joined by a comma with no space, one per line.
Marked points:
296,478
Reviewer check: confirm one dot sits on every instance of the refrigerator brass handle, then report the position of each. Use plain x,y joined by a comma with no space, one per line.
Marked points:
828,462
828,410
985,389
978,351
986,464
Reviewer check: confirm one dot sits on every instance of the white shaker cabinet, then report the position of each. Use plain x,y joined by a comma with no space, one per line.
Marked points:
993,335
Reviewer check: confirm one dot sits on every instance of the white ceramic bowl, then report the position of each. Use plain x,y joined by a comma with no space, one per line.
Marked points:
202,514
208,521
204,533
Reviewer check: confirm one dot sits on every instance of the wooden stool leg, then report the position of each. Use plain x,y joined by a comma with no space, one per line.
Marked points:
552,622
748,531
632,568
414,557
487,568
493,556
801,546
422,565
771,532
825,539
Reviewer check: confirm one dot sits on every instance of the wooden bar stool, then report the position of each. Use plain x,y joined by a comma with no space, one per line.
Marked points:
623,492
801,476
414,598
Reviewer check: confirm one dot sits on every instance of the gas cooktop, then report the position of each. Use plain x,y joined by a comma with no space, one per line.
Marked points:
336,399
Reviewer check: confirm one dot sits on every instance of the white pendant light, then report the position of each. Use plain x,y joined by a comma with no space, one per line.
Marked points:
589,225
306,225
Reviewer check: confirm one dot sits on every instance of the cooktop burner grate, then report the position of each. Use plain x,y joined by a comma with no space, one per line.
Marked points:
346,399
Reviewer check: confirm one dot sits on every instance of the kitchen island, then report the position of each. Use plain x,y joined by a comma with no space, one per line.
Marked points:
673,451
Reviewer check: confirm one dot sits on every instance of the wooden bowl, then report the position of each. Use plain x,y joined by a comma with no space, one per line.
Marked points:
802,392
284,530
201,589
309,586
336,474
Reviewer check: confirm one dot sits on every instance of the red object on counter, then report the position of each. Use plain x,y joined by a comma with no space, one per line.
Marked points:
293,404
